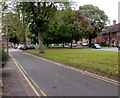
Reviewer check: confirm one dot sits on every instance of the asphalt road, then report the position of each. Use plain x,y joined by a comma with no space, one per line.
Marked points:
114,49
56,80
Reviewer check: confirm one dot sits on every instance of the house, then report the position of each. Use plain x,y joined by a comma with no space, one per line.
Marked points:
4,41
83,42
109,36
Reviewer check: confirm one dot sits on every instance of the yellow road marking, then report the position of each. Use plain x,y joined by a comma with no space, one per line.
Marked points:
38,87
29,77
81,71
26,78
90,74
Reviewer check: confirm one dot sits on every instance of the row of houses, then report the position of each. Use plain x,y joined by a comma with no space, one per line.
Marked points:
110,35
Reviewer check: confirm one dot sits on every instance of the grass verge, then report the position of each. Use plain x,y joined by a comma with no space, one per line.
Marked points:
102,61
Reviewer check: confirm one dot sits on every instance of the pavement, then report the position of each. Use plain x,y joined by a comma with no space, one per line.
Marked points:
48,78
114,49
14,83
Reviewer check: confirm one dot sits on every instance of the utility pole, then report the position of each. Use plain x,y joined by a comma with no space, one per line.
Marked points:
7,36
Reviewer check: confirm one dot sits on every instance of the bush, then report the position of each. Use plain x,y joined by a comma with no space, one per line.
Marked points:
103,44
4,56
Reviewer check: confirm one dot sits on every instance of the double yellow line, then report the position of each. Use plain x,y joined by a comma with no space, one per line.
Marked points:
28,79
82,71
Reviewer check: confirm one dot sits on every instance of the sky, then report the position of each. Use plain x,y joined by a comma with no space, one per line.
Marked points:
110,7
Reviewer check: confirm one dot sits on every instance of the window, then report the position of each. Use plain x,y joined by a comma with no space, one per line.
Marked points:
107,35
100,35
118,33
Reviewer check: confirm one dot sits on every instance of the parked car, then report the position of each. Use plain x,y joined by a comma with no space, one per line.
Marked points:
20,46
84,44
96,46
15,46
31,46
73,45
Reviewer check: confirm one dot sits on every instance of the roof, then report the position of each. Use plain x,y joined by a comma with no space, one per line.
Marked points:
112,29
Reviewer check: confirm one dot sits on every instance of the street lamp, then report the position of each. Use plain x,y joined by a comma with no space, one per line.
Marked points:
7,35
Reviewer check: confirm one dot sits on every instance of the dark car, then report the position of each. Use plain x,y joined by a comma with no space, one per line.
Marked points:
31,46
15,47
23,48
96,46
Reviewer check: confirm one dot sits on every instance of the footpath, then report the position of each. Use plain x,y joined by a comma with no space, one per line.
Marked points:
13,82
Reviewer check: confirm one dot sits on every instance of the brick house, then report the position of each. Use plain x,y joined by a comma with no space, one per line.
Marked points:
4,41
109,36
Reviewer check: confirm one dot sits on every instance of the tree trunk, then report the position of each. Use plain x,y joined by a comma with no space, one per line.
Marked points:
7,36
90,40
71,44
23,32
63,45
24,40
48,45
40,39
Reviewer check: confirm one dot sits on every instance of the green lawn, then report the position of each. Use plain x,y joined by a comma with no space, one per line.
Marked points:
104,61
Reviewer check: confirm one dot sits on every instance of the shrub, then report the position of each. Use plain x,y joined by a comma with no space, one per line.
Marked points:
3,55
103,44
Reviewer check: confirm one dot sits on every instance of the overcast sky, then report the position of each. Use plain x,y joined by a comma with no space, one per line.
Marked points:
110,7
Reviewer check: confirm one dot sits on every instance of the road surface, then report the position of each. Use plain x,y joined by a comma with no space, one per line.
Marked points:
114,49
55,80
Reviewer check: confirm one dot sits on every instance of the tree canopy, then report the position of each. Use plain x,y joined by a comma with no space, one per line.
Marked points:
14,27
54,22
66,26
97,17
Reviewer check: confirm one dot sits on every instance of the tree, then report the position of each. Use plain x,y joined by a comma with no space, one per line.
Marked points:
14,30
56,29
21,11
76,24
97,17
39,14
5,10
66,25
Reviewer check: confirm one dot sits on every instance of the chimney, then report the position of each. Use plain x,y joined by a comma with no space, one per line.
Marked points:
114,22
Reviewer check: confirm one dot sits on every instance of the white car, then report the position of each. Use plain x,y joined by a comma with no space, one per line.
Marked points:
84,44
118,46
20,46
96,46
73,45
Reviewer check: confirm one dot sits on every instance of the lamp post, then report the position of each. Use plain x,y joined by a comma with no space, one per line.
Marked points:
7,36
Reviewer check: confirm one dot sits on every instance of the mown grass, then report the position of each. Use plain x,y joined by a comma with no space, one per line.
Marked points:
103,61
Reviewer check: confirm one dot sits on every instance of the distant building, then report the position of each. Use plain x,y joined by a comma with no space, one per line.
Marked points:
4,41
110,35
